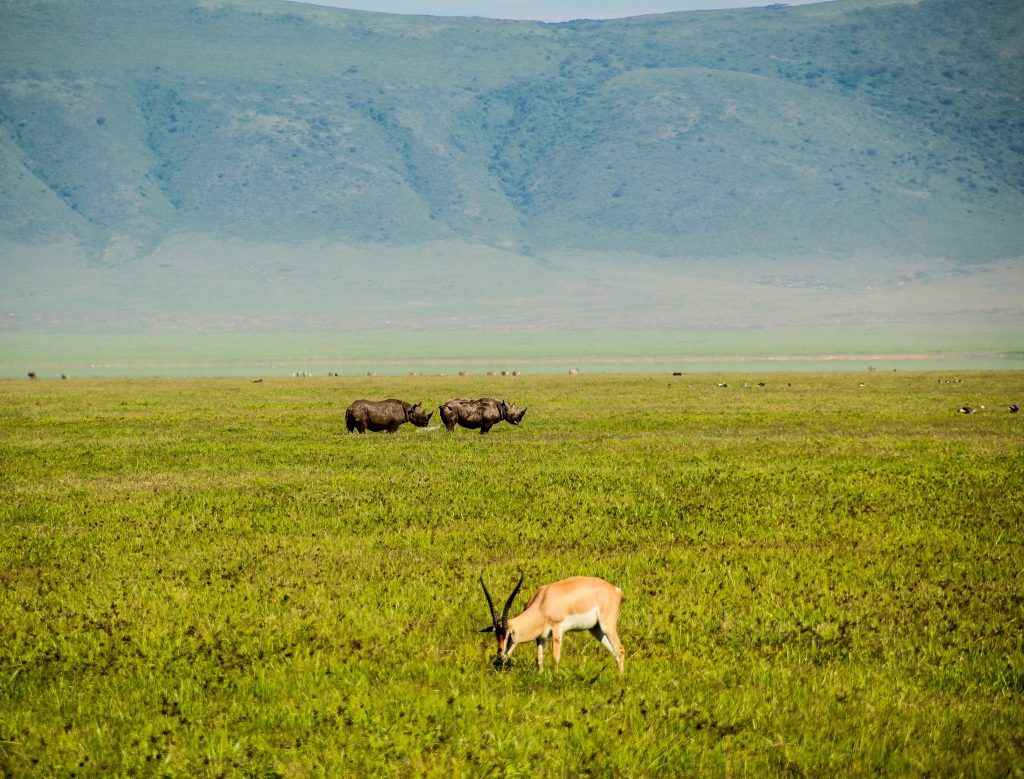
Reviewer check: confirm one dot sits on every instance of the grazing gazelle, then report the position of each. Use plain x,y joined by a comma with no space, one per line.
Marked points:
577,603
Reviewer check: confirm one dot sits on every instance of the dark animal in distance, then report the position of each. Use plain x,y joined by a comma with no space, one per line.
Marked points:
482,413
965,410
390,414
1014,408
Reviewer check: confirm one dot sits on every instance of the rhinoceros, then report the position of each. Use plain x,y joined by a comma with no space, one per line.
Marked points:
483,413
390,414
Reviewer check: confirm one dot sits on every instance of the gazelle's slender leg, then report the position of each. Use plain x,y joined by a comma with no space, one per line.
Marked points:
601,636
540,654
611,642
556,646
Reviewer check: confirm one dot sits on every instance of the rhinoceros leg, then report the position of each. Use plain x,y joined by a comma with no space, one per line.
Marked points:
447,417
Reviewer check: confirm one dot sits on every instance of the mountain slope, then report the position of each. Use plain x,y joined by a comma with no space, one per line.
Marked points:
864,129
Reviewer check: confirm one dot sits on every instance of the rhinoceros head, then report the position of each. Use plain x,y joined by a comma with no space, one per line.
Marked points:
418,416
513,414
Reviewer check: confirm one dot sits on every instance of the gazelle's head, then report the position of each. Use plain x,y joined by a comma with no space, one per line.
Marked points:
500,624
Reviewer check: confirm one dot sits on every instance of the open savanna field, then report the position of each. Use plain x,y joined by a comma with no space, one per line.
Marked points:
823,575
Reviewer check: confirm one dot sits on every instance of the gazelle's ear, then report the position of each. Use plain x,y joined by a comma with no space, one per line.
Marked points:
488,629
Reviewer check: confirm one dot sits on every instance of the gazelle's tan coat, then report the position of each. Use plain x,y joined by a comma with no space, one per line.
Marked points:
577,603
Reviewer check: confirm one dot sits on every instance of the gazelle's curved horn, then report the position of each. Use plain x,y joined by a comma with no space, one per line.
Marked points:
512,597
490,603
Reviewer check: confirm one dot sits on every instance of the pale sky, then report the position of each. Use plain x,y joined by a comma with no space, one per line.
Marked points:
544,10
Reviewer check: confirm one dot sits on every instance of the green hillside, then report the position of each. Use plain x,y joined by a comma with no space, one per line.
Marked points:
141,141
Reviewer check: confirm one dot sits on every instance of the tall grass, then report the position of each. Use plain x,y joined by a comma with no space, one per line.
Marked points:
207,577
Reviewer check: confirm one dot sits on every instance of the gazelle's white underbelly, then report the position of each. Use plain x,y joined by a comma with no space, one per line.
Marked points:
584,621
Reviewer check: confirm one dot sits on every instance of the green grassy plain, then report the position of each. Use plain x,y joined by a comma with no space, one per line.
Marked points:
823,576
